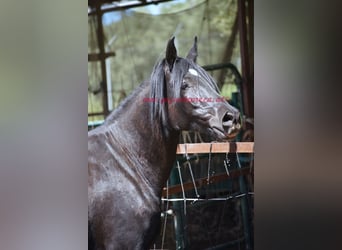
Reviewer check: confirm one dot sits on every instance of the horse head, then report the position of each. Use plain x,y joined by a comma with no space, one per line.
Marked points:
188,97
191,99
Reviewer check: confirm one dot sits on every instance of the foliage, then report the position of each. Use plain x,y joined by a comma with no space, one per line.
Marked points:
140,39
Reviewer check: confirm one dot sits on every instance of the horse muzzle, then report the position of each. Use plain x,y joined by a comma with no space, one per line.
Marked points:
226,123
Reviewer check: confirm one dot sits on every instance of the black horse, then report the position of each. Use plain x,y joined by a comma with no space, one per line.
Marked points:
130,156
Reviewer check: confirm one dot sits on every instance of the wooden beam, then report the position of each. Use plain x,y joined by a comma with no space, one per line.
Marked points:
96,114
248,81
216,147
228,52
121,5
97,57
100,42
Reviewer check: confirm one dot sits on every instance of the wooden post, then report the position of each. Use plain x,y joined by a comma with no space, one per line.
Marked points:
247,78
102,56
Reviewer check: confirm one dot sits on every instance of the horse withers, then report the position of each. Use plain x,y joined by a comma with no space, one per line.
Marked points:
131,155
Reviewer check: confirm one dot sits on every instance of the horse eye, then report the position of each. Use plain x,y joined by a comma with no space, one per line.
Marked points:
184,86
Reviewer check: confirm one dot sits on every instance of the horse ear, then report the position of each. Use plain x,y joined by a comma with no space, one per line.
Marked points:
192,55
171,53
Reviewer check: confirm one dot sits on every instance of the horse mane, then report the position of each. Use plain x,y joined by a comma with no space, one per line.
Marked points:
122,108
159,90
158,93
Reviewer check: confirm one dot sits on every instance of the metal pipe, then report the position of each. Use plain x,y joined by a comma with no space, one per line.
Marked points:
238,78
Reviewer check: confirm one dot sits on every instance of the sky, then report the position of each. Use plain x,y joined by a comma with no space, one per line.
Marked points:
154,9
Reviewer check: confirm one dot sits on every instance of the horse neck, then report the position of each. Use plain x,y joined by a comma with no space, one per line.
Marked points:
152,151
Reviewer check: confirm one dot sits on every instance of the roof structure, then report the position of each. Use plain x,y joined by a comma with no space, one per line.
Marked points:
109,5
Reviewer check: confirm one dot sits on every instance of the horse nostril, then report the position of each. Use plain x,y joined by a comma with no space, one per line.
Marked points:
228,117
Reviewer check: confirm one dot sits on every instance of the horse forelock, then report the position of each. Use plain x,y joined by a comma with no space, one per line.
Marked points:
180,68
157,93
197,70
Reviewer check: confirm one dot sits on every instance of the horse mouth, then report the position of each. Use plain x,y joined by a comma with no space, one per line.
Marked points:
233,129
227,134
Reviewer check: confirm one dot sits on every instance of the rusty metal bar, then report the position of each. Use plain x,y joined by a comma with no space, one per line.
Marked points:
203,181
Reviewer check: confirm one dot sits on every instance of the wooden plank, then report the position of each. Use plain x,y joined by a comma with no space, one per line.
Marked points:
97,56
96,114
216,147
204,182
